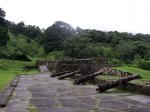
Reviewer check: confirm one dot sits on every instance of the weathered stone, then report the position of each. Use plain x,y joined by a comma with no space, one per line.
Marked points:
106,110
3,100
16,110
44,102
140,98
136,109
61,110
88,100
113,104
16,106
14,83
21,95
63,99
134,102
72,104
8,91
51,95
44,94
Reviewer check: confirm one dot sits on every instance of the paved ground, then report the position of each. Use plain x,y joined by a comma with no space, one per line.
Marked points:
41,93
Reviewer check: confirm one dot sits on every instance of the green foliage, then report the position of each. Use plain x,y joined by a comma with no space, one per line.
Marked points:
54,55
80,48
21,42
115,62
99,36
40,51
12,64
92,43
144,65
55,35
18,48
137,59
30,41
106,52
91,51
125,52
140,48
33,32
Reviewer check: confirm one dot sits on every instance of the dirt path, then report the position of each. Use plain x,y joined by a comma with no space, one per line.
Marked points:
41,93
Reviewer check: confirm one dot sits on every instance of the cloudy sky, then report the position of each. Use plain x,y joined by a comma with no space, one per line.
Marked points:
108,15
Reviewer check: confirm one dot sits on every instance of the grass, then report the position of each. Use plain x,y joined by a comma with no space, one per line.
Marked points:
10,68
145,74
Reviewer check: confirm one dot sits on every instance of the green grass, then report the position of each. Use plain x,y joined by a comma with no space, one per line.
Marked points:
13,64
145,74
10,68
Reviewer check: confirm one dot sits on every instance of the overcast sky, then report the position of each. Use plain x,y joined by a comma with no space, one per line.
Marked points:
108,15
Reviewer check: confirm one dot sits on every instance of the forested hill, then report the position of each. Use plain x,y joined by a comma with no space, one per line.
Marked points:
20,41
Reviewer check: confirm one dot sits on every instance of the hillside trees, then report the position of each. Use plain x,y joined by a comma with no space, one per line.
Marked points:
18,41
99,36
19,49
80,46
112,45
31,31
125,51
30,40
55,35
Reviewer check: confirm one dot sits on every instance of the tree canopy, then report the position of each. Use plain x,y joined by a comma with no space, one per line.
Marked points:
55,35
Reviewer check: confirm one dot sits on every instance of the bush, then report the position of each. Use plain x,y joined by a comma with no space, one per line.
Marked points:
115,62
55,55
144,65
106,52
137,59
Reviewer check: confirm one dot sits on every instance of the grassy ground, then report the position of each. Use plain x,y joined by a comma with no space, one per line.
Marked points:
145,74
9,69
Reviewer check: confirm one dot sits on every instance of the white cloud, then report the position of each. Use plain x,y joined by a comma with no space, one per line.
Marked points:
121,15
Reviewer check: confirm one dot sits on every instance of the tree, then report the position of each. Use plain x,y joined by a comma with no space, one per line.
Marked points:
106,52
55,36
31,31
80,47
3,29
2,13
125,51
19,49
140,48
99,36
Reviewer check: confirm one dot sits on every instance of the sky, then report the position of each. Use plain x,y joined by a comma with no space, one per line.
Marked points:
106,15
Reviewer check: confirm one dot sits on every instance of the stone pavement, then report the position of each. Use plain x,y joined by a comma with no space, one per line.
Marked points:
41,93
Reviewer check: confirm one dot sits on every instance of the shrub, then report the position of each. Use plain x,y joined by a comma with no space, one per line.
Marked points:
115,62
137,59
144,65
55,55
